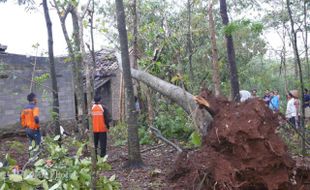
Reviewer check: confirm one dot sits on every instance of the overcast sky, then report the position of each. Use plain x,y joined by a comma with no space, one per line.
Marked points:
20,30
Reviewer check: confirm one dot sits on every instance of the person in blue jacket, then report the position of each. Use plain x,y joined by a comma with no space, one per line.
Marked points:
274,103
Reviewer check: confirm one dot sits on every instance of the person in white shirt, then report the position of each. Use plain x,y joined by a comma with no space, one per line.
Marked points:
292,108
244,95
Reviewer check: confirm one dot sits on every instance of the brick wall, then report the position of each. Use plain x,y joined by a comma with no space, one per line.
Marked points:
15,76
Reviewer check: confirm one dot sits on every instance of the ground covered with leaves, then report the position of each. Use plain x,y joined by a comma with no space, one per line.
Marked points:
242,150
157,159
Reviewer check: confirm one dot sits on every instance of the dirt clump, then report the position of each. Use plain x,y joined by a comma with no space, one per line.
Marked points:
241,151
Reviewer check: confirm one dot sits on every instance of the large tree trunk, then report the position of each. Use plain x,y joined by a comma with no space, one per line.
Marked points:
134,156
202,117
298,62
215,69
234,81
52,68
175,93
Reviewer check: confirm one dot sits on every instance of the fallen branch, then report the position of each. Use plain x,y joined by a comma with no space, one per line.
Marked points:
160,136
151,148
33,158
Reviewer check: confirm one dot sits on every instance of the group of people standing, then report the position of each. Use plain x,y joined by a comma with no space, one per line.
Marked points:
101,119
293,106
272,99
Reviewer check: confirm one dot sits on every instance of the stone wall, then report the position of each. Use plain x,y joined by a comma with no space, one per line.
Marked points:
15,77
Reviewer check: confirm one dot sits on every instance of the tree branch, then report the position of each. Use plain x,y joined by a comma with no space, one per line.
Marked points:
160,136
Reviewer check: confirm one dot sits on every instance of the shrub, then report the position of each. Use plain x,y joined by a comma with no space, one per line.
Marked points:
56,170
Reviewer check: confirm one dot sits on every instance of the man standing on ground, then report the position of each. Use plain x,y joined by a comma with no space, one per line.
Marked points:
101,120
30,120
292,108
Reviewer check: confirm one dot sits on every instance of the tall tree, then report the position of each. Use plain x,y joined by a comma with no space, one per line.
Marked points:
135,33
189,40
134,156
234,81
215,69
298,63
77,19
52,67
77,75
305,36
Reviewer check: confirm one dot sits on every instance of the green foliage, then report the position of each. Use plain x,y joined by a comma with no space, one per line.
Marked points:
42,78
119,134
145,136
172,121
57,170
195,139
236,26
54,115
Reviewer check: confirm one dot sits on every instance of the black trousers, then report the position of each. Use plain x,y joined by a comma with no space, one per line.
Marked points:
102,139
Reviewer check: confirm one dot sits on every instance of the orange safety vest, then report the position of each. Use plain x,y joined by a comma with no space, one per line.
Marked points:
27,118
98,119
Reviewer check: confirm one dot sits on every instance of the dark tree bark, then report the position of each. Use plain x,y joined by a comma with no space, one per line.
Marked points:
134,156
234,81
215,69
298,63
52,67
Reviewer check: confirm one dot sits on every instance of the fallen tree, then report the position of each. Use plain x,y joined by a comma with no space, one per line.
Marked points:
187,101
202,118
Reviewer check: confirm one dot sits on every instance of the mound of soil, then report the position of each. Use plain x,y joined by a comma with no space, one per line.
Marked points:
241,151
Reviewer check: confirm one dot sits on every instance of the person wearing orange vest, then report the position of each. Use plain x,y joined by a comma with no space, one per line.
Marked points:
101,119
30,119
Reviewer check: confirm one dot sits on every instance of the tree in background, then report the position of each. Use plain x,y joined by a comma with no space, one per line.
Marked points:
189,41
73,44
215,70
52,67
234,81
134,156
298,63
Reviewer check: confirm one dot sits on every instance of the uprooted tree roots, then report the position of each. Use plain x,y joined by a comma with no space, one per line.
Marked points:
241,151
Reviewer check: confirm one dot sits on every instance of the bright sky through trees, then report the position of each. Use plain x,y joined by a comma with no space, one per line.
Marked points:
20,30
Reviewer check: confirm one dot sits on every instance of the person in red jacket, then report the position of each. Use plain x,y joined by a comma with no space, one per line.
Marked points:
29,119
101,119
